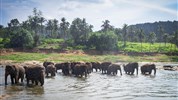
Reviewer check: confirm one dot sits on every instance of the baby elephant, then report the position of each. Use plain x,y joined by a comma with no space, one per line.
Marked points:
112,69
51,69
147,68
16,72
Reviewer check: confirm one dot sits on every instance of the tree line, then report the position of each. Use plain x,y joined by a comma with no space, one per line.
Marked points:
30,32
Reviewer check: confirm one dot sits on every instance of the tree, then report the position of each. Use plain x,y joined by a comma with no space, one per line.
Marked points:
141,36
64,28
124,33
49,28
152,38
103,41
165,38
106,26
175,38
80,30
42,20
22,38
55,27
160,34
118,32
13,26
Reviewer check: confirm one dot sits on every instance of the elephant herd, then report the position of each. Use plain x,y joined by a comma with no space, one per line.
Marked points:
35,73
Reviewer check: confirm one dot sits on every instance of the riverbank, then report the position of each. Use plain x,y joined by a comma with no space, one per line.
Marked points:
78,55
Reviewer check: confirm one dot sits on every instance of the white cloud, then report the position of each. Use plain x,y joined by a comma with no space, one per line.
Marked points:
95,11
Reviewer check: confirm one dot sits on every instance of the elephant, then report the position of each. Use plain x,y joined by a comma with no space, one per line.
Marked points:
112,69
96,65
50,69
35,73
104,67
46,63
147,68
16,72
89,67
59,66
130,68
80,69
73,66
66,68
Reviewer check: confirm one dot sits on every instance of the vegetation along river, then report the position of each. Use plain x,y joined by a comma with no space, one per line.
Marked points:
97,86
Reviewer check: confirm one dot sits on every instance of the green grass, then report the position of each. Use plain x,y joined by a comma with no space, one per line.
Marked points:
146,47
51,43
62,57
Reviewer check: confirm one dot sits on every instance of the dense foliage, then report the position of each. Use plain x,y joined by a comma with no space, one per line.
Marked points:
103,41
37,31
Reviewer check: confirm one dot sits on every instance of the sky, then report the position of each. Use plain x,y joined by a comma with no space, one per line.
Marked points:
118,12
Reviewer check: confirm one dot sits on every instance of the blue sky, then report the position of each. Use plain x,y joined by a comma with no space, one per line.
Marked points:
117,12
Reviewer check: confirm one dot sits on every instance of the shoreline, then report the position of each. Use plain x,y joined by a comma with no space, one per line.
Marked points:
159,65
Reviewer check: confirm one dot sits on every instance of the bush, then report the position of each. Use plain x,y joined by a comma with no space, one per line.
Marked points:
103,41
22,38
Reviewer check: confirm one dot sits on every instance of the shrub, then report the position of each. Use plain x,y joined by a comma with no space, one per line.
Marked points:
22,38
103,41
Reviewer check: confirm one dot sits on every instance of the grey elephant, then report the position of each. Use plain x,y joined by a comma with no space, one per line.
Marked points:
96,66
112,69
50,69
16,72
130,68
80,69
35,73
147,69
104,67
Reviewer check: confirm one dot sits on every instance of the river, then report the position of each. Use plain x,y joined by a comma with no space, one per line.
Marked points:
97,86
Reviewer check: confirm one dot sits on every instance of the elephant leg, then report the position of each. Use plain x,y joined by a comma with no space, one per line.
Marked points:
32,81
22,78
120,72
16,79
42,81
6,79
36,82
12,79
85,74
150,71
27,81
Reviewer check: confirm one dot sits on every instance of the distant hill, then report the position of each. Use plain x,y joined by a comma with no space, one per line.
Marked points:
168,26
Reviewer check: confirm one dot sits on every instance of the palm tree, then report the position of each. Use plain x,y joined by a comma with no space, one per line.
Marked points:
141,37
165,38
160,34
152,38
106,26
64,27
42,20
124,32
49,27
54,27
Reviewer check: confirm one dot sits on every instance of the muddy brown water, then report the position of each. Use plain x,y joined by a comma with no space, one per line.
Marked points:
97,86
